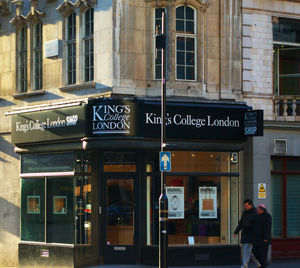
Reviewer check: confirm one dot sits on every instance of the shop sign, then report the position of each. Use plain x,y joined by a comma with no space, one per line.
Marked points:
175,202
183,120
64,123
262,193
208,203
253,123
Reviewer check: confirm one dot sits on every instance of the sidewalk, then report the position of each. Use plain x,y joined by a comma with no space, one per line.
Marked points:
274,264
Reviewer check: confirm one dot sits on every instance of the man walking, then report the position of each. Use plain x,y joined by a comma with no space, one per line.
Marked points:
246,224
262,235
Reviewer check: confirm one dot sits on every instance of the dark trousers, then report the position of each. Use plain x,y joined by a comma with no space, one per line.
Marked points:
261,254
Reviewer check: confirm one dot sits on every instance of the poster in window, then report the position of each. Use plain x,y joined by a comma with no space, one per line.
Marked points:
175,202
208,203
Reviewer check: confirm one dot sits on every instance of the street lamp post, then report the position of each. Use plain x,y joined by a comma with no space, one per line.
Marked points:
163,199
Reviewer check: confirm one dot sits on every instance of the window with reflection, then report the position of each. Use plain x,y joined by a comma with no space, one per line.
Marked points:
71,48
88,45
185,43
22,59
37,56
203,206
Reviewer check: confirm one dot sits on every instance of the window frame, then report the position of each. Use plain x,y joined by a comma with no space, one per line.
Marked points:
73,43
185,36
88,38
37,61
22,57
276,61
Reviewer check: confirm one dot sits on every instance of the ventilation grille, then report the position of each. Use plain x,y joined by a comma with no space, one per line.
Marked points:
280,146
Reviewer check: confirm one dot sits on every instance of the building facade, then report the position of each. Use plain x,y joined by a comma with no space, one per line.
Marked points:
271,82
80,131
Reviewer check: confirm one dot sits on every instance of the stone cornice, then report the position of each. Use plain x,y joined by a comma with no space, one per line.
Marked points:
67,7
31,16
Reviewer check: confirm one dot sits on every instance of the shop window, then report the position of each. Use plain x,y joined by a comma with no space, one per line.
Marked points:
286,36
285,197
158,30
37,56
83,199
203,206
22,59
71,48
185,43
32,210
88,45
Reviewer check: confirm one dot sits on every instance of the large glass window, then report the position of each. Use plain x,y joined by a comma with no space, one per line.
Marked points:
37,56
185,43
285,197
286,36
203,206
71,49
88,45
22,59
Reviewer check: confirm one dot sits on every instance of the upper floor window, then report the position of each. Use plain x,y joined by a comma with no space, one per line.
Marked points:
37,56
158,30
71,49
22,59
185,43
88,45
286,39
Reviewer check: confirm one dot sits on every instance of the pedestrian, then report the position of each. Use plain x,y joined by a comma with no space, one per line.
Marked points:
245,225
262,235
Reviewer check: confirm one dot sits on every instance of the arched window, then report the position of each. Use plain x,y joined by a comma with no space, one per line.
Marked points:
71,48
185,43
37,56
88,45
22,59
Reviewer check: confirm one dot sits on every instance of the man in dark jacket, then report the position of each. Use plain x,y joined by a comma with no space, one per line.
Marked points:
262,235
246,225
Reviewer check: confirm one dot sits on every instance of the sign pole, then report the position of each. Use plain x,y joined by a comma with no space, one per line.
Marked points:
163,199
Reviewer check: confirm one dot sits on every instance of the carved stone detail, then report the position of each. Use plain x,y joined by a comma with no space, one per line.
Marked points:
5,7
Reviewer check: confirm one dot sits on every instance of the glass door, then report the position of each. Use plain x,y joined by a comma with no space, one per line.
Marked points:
119,218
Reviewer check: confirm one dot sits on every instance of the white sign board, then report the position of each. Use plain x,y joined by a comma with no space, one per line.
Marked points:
262,191
51,48
208,203
175,202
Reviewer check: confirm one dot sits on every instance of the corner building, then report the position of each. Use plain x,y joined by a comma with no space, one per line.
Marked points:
271,82
80,131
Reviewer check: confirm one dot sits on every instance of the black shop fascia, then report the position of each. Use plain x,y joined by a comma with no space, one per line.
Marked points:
77,160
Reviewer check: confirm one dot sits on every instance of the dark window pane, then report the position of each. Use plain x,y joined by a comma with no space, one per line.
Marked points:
33,210
158,72
180,12
60,215
158,12
190,73
189,13
158,57
190,44
189,27
180,43
287,30
293,164
190,59
180,58
180,72
179,25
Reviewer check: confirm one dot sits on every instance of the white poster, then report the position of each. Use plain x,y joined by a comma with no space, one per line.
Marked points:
208,203
175,202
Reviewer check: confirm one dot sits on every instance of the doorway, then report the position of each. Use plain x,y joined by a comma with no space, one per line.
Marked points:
119,219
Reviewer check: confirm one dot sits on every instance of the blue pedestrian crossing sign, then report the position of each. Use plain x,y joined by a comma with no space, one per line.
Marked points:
165,161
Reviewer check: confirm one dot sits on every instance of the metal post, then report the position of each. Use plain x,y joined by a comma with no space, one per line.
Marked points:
163,199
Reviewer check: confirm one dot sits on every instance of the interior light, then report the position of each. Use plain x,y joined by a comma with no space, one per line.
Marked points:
193,154
211,156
